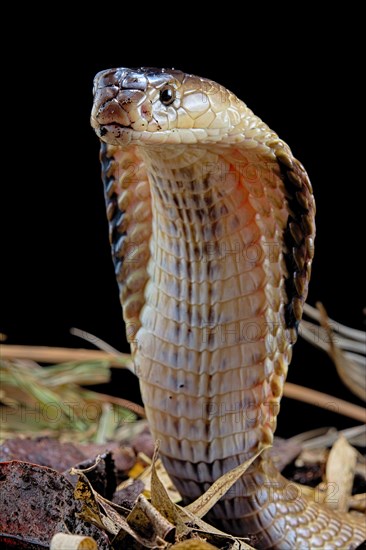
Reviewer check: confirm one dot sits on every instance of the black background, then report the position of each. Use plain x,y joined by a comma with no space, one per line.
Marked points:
57,272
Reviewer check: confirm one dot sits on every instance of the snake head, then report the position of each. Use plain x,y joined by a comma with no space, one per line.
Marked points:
149,105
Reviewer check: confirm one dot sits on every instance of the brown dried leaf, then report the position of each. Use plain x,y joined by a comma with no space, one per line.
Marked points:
145,477
90,500
161,500
125,531
340,471
62,541
352,374
344,345
149,522
193,544
110,516
213,535
146,526
107,518
205,502
84,493
187,523
196,526
358,502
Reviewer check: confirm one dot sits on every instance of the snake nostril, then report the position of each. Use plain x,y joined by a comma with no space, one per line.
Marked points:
111,112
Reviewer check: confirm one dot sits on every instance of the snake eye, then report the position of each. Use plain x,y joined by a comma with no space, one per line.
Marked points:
167,95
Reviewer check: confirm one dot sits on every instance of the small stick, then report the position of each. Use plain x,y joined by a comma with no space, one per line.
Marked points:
44,354
325,401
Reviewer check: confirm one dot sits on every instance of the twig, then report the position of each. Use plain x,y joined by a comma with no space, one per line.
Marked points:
98,342
315,314
320,337
325,401
327,439
44,354
134,407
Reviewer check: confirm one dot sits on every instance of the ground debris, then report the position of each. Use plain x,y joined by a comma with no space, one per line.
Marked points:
61,456
36,503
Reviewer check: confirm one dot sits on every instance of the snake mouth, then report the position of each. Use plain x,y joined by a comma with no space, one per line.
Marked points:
120,135
112,127
114,133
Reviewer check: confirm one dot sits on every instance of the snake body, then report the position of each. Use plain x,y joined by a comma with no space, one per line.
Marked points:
212,228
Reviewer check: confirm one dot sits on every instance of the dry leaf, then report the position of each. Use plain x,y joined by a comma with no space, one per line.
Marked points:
62,541
96,509
340,471
188,523
148,521
208,532
193,544
84,492
161,500
352,374
358,502
345,346
142,527
126,532
205,502
146,478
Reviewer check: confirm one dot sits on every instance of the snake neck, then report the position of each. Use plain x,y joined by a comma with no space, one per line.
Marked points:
210,369
209,323
211,353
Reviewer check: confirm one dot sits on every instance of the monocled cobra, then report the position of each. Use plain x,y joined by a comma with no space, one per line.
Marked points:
212,227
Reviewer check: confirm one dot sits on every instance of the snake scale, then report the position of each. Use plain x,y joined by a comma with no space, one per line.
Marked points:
212,232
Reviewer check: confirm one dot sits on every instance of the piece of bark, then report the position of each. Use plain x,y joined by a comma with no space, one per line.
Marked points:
36,503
